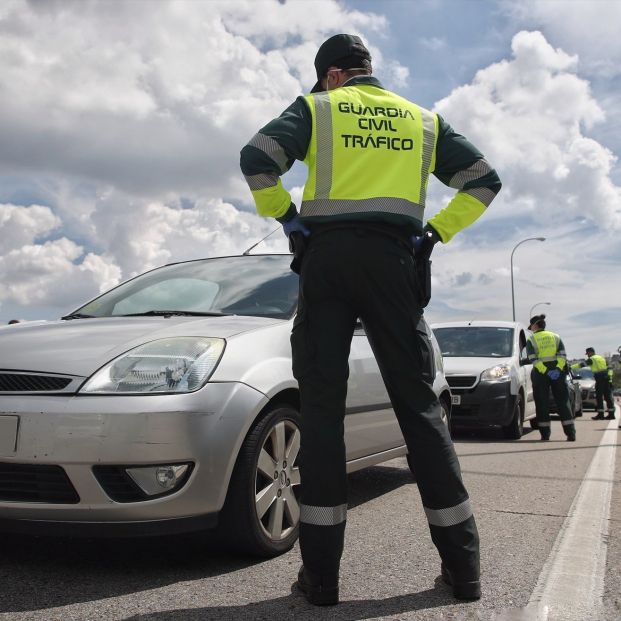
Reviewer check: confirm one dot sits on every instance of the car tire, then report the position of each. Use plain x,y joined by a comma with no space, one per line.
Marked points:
446,418
261,512
515,429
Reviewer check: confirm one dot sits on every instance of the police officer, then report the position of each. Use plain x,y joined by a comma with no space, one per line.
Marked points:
369,154
547,353
603,384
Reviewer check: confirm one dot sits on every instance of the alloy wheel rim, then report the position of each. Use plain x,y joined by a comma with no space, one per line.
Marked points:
277,481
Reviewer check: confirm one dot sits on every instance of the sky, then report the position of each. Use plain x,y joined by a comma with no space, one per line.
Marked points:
121,123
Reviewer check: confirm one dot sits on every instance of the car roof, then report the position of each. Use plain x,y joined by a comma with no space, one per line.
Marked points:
230,256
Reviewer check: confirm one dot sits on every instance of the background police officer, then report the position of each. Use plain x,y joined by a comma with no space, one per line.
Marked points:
603,384
547,353
369,154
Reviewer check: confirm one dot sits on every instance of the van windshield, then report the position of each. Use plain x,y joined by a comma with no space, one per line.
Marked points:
475,342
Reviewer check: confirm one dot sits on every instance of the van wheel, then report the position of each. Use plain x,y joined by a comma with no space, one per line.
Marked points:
262,512
515,428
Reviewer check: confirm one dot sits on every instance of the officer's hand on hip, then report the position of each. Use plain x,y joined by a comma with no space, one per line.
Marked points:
295,225
554,374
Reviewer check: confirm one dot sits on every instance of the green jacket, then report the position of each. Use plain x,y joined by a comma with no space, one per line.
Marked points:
458,164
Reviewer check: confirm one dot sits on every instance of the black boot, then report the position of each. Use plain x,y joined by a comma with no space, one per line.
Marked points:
598,417
318,590
466,589
545,436
610,416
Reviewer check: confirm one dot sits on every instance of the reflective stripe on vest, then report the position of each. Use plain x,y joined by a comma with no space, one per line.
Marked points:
370,151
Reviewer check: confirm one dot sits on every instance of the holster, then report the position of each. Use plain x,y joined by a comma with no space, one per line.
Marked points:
422,260
423,276
297,246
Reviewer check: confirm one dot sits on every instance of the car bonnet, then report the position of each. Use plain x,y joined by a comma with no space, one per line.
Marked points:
81,346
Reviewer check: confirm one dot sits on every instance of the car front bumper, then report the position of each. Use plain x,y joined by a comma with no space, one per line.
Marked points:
487,404
73,434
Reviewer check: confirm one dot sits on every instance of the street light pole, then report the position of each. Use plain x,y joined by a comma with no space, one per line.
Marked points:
530,314
512,252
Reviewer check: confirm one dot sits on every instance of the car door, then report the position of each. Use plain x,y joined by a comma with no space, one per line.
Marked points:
370,423
527,382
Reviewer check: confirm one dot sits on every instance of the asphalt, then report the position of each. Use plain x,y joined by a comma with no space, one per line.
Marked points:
521,491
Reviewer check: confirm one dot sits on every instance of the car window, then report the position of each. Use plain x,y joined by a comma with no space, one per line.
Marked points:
475,341
190,294
583,373
256,285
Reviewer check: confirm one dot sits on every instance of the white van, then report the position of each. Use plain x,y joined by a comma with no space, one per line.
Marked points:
488,372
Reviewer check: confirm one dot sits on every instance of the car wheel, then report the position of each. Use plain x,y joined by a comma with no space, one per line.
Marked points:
515,428
262,511
446,419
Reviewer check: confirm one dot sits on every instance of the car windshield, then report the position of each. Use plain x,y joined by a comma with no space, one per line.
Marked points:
254,285
475,342
583,373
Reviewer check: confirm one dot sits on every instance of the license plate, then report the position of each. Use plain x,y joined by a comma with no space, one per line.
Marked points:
8,434
455,399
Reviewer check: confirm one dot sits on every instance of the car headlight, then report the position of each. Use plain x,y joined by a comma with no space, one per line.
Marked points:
172,365
500,372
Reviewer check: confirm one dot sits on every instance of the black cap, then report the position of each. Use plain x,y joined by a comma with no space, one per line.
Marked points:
588,349
343,51
537,319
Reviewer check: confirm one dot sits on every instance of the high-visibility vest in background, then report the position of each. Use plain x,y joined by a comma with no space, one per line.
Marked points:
599,366
547,347
371,151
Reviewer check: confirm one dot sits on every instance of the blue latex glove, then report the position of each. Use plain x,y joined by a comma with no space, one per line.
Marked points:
554,374
295,225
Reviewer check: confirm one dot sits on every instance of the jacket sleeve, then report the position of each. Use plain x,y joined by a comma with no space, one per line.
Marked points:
461,166
270,153
561,360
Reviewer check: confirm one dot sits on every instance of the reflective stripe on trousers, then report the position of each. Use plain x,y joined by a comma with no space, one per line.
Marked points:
449,516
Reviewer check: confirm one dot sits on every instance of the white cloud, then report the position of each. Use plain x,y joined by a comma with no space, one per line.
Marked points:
529,115
590,27
133,114
52,274
23,225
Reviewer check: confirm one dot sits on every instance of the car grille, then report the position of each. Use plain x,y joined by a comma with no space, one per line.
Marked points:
35,483
119,486
31,382
461,381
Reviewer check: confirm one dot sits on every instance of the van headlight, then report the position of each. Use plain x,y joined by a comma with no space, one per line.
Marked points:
172,365
499,373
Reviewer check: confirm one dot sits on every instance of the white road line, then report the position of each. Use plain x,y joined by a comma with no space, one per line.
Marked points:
571,583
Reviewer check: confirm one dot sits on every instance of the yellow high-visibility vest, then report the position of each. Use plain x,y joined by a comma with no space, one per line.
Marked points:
546,346
371,152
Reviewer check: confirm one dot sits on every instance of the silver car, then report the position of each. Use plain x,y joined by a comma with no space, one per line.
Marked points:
168,404
586,381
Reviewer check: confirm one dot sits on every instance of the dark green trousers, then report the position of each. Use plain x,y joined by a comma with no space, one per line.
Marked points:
541,392
349,273
603,392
